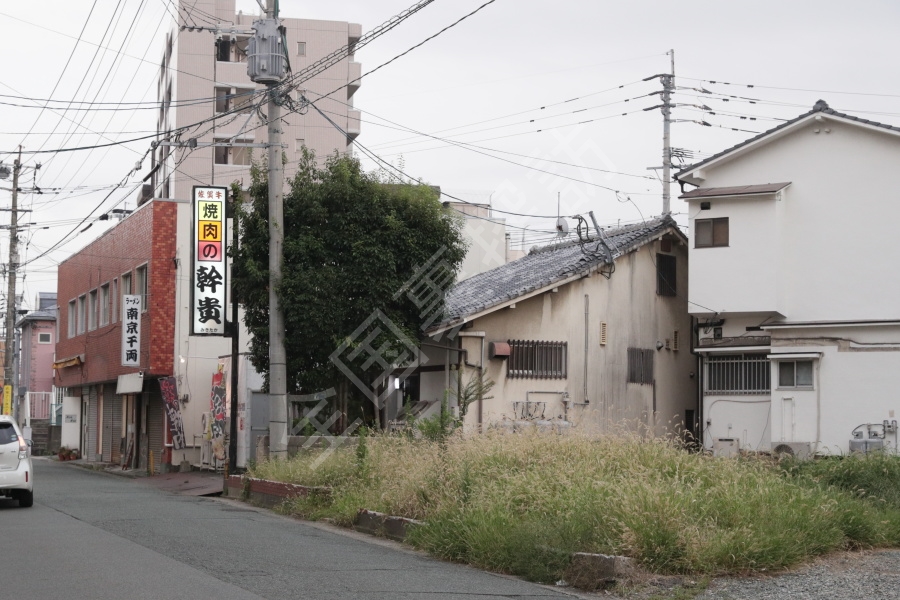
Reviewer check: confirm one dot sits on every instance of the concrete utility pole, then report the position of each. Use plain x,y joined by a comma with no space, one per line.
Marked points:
9,349
278,409
668,83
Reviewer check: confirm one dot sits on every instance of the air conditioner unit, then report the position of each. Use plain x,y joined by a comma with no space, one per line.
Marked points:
799,450
726,447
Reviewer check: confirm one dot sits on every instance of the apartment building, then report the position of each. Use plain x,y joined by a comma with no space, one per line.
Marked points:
203,74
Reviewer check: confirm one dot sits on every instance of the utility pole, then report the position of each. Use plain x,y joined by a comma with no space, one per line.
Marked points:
668,83
266,64
9,349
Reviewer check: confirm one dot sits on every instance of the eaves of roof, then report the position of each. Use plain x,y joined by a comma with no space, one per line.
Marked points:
545,268
821,107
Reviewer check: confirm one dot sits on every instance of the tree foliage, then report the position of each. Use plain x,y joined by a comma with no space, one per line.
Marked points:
351,242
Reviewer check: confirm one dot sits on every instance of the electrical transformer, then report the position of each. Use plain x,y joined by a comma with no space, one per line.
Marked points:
265,52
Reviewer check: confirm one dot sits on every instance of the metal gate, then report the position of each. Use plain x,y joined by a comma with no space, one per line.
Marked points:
106,427
155,425
116,441
93,422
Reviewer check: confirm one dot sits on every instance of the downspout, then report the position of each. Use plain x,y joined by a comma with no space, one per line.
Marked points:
818,406
695,341
586,340
480,395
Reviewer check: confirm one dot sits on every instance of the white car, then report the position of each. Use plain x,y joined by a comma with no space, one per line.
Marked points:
16,472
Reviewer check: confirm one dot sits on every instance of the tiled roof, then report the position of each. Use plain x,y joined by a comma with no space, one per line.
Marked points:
545,266
820,107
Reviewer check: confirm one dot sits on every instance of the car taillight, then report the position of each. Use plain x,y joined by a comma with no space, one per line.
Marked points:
23,450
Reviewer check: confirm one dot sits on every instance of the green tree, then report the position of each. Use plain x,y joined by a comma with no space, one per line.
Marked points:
351,242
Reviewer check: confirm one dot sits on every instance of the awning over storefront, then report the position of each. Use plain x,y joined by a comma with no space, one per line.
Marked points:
69,362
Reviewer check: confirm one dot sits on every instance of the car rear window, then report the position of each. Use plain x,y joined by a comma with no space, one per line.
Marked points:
7,434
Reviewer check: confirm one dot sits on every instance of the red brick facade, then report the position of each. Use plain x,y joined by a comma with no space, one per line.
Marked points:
146,237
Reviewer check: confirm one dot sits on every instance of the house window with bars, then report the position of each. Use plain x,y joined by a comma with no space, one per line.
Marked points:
665,275
640,365
738,374
531,359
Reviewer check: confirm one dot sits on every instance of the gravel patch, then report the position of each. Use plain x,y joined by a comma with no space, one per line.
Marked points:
870,575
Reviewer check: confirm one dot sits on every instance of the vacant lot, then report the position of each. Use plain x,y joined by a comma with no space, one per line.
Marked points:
523,503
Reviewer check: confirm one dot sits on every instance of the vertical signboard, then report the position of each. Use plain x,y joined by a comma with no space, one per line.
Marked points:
7,400
217,408
208,267
131,330
170,403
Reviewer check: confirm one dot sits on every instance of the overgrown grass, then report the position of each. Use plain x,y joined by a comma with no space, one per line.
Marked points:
874,476
523,503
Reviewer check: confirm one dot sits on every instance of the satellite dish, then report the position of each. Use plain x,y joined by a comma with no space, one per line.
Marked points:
562,227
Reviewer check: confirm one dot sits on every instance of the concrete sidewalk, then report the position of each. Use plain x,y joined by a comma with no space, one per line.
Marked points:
190,483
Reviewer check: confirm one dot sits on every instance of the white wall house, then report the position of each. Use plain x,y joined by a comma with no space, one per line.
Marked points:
794,285
589,335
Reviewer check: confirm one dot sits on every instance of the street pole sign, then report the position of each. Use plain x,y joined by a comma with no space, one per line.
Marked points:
7,399
208,268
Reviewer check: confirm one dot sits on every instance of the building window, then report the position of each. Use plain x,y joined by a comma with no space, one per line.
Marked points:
232,50
537,360
665,275
710,233
82,313
104,304
222,99
737,374
301,48
640,365
114,299
126,285
226,155
795,374
73,319
223,51
45,338
243,100
92,310
299,145
142,287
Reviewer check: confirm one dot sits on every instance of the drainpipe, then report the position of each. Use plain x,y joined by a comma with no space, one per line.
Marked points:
481,370
695,341
480,395
586,340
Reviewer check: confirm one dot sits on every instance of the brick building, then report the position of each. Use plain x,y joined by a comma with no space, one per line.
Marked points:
118,405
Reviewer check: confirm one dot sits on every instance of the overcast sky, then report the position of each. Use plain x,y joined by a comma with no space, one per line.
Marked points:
482,82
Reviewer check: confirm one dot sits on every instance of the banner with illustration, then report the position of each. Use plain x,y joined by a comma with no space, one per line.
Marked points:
173,411
217,409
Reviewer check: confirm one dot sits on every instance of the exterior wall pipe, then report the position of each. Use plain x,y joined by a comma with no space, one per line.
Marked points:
695,341
587,330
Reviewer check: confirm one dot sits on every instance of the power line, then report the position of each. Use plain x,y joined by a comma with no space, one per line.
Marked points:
790,89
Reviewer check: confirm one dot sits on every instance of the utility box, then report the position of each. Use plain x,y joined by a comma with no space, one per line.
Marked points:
265,52
866,446
725,447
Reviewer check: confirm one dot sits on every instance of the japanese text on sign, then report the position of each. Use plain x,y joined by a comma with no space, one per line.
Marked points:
131,330
208,269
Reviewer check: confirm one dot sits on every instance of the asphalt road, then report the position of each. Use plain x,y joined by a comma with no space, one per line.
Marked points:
98,536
